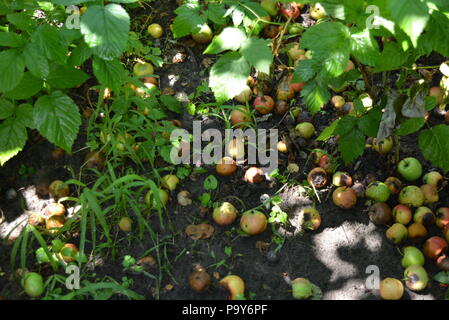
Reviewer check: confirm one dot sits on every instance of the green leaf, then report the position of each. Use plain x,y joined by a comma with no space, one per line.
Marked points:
351,145
315,96
210,183
216,12
49,40
364,48
410,126
105,30
442,277
80,55
436,32
109,73
333,48
345,125
64,76
13,136
58,119
35,61
171,103
6,109
188,19
434,144
22,20
329,131
229,39
228,76
27,87
11,39
391,58
258,53
12,67
70,2
369,123
304,71
24,115
411,15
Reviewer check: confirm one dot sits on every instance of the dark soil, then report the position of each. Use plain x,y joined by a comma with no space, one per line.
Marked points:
335,257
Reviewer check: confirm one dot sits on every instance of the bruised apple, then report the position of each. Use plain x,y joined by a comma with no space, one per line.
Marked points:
199,280
290,10
380,213
58,189
430,193
226,166
317,178
416,231
384,146
378,191
341,179
344,197
416,278
311,219
254,175
253,222
442,217
235,286
264,104
434,178
411,196
394,184
225,214
397,233
424,216
434,247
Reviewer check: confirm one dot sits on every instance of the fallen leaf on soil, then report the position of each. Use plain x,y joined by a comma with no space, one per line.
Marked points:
147,262
261,245
168,91
201,231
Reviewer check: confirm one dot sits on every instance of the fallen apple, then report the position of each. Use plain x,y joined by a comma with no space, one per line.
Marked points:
302,288
225,214
317,178
294,52
434,247
54,223
384,146
245,95
204,35
338,102
184,198
69,252
253,222
416,231
326,163
394,184
239,117
378,191
58,189
235,286
95,160
226,166
410,169
254,175
282,146
199,280
391,289
281,107
317,11
412,256
125,224
55,209
397,233
380,213
402,214
424,216
306,130
430,193
290,10
155,30
434,178
342,179
411,196
270,7
143,69
153,202
344,197
437,93
416,278
442,217
170,181
311,219
443,263
264,104
33,284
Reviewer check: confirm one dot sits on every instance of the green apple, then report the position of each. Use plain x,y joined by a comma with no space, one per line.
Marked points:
378,191
306,130
204,35
270,7
416,278
411,196
33,284
301,288
397,233
410,169
412,256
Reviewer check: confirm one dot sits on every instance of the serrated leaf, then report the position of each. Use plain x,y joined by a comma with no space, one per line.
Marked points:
12,66
369,123
105,30
315,96
13,136
228,75
6,109
329,132
35,61
410,126
109,73
216,13
27,87
304,71
333,48
364,48
351,145
258,54
58,119
24,115
22,20
436,32
188,19
434,145
345,125
10,39
411,15
229,39
64,77
48,39
80,55
392,57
